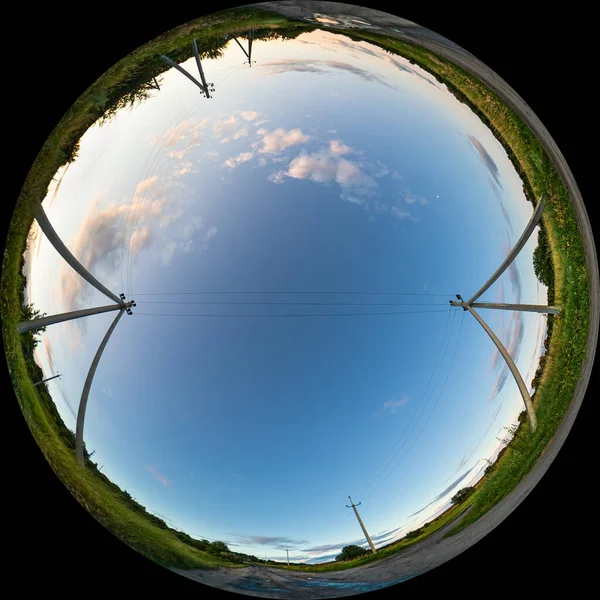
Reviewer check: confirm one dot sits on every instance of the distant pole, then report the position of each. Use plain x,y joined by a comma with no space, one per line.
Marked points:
86,390
352,505
47,379
288,556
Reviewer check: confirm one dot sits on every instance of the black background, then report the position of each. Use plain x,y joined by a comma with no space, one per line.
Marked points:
53,53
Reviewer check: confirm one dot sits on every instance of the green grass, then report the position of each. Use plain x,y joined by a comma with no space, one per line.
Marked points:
566,349
385,551
566,346
101,498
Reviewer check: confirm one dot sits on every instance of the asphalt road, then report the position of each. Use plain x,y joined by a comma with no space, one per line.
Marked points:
273,583
268,582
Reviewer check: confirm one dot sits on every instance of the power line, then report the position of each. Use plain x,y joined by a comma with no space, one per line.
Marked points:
292,293
430,413
225,302
386,461
158,151
246,315
367,483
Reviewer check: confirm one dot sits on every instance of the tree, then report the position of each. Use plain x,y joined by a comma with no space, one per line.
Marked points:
415,533
218,547
350,552
462,495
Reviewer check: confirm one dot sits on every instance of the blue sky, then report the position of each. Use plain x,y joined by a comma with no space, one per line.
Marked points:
328,166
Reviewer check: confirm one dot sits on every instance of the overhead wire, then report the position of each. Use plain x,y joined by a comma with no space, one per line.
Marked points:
367,483
127,218
274,315
338,293
157,151
157,159
234,302
389,458
451,365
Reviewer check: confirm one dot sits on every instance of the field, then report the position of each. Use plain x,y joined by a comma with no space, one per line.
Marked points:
385,551
559,263
560,258
105,501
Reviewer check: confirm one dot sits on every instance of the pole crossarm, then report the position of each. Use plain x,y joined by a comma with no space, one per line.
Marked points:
511,366
535,218
540,308
40,322
86,391
54,239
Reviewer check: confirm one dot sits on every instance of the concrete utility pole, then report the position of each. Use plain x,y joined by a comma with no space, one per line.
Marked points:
24,326
352,505
468,305
205,88
249,53
86,390
50,233
47,379
120,304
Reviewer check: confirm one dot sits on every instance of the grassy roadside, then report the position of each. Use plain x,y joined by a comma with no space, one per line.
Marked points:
570,289
385,551
93,490
560,264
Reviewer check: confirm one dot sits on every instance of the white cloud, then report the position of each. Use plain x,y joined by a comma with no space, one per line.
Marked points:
168,252
225,124
280,138
277,176
211,233
323,168
411,198
139,239
240,133
402,214
249,115
186,135
337,147
233,162
225,140
392,406
159,476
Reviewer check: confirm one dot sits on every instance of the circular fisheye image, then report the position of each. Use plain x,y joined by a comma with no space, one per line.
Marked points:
299,300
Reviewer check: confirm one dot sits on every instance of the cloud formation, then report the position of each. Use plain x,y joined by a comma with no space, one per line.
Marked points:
393,406
99,243
159,476
278,542
275,141
233,162
181,139
321,66
486,159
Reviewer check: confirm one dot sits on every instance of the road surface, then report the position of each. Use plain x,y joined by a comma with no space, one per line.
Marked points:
275,583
